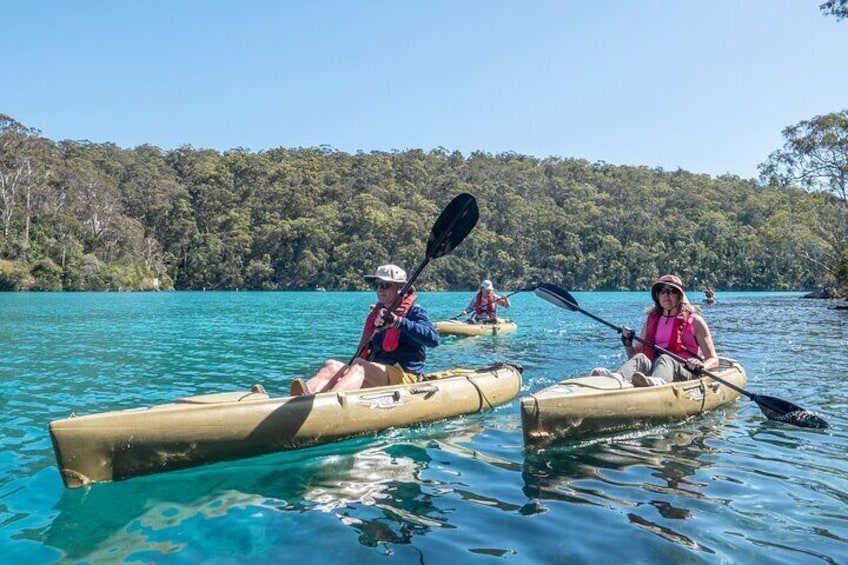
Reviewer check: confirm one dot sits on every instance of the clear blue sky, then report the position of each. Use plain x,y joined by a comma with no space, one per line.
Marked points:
704,86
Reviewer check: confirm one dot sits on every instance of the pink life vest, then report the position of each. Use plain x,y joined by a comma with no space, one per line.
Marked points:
679,338
392,338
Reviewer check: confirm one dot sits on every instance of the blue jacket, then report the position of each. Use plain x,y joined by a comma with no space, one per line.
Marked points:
416,333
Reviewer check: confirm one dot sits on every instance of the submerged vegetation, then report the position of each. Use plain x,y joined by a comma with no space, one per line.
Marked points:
86,216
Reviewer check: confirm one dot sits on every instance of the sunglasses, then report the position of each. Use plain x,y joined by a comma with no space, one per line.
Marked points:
667,290
383,285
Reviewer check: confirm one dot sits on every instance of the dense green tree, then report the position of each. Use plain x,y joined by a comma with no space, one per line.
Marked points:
18,172
815,156
85,216
837,8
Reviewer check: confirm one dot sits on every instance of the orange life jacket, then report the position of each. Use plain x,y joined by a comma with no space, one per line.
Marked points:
483,306
392,337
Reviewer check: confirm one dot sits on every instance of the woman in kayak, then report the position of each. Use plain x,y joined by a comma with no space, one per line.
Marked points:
395,342
673,324
485,304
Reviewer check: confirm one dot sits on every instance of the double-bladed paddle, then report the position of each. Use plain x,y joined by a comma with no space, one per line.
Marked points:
452,226
529,288
773,408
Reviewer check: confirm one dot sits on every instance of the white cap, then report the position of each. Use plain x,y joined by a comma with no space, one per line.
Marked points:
388,273
487,285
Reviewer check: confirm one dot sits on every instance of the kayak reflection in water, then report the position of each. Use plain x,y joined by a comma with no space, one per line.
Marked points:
484,305
395,342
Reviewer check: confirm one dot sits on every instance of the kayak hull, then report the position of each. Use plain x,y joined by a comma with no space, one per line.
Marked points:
193,431
457,327
592,405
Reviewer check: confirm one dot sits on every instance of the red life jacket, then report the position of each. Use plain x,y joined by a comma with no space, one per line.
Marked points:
392,337
483,306
682,334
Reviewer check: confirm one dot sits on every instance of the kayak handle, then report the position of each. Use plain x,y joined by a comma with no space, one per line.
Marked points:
424,389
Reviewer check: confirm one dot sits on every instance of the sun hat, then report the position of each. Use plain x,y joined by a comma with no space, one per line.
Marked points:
388,273
672,281
487,285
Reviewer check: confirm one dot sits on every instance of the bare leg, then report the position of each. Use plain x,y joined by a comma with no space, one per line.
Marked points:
322,378
362,374
336,376
349,377
376,374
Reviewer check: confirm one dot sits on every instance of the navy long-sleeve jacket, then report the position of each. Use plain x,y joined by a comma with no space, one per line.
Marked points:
417,333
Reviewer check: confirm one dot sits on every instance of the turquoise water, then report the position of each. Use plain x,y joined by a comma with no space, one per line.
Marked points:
725,487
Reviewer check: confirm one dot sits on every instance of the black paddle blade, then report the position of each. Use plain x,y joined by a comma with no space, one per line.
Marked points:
788,413
804,419
556,296
455,222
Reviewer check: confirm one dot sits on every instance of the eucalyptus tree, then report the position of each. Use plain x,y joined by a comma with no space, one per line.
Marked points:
815,156
16,171
837,8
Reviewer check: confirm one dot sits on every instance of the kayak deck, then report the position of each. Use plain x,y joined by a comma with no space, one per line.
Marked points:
204,429
462,328
592,405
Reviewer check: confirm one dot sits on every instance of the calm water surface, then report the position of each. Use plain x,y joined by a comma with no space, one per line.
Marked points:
725,487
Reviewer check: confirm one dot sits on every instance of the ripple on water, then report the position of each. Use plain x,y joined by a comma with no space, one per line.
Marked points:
728,486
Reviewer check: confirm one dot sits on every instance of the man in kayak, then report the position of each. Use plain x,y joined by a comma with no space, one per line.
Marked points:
485,303
673,324
395,342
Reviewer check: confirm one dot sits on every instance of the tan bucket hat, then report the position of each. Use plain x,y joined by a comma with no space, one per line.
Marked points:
672,281
387,273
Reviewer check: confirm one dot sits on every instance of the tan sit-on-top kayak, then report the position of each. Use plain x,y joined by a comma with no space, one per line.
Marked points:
216,427
457,327
583,406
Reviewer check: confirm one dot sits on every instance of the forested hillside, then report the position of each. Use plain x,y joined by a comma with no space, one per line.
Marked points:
85,216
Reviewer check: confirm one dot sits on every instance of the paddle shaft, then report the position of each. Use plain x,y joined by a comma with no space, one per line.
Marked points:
770,406
773,408
435,248
534,287
663,350
391,307
519,290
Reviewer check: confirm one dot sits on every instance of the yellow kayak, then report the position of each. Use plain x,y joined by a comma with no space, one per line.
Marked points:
458,327
591,405
116,445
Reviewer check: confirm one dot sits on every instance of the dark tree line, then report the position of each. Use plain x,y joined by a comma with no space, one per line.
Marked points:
836,8
84,216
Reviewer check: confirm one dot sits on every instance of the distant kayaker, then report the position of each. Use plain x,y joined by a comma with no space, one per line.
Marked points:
395,353
673,324
485,304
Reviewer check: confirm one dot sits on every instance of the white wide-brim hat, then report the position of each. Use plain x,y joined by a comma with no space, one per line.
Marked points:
487,285
387,273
